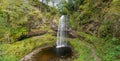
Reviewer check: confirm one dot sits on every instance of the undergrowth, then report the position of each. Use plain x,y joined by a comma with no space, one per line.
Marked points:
15,51
82,51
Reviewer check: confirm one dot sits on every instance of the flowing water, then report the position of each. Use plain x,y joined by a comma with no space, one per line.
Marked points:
62,32
59,52
62,46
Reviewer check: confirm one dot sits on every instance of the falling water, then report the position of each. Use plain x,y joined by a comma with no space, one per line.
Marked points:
62,49
62,34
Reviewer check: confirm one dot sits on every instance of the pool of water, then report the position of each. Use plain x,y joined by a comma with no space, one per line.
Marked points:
50,54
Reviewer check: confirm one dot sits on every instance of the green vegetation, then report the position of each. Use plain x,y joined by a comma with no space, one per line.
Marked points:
97,23
18,18
107,50
83,52
15,51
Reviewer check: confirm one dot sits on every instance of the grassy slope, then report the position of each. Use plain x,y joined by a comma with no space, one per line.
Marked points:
104,50
83,51
15,51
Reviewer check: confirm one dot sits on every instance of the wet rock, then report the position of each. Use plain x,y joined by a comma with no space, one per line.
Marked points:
71,33
54,26
31,34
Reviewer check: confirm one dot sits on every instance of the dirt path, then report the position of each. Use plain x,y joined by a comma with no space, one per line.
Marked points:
96,58
93,53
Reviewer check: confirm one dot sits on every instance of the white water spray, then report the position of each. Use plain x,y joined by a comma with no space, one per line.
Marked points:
62,34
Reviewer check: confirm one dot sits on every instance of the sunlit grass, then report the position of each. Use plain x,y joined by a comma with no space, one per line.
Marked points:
15,51
83,52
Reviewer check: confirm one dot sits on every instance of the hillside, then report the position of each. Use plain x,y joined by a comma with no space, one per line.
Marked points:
29,24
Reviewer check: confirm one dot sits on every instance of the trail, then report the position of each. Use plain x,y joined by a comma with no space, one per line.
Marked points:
96,58
93,53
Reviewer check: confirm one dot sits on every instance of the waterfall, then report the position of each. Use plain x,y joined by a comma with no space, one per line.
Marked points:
62,34
62,48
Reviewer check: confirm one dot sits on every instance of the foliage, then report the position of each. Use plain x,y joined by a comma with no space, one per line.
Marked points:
15,51
83,52
21,16
104,30
107,49
11,13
